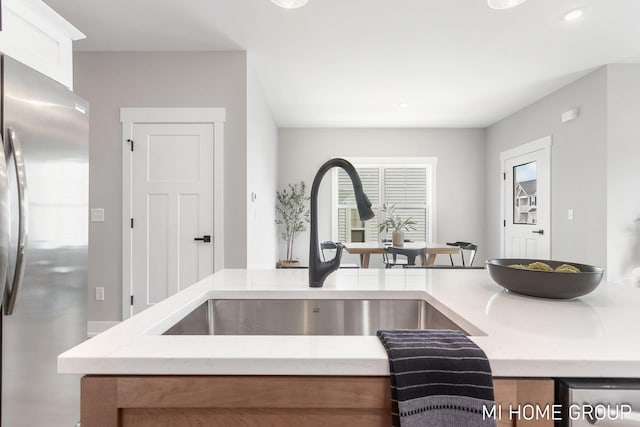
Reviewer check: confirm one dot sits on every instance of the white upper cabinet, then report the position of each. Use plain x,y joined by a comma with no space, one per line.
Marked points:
37,36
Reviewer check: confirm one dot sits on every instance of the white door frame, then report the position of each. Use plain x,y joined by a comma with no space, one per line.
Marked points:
542,144
129,116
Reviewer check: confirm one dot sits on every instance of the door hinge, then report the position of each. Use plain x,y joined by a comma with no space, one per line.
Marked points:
130,141
504,174
131,299
131,222
504,222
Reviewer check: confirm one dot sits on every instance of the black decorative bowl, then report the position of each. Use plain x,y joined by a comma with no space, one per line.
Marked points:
544,284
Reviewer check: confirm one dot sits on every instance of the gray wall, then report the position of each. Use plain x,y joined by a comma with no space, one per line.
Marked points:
460,188
262,162
623,173
578,167
159,79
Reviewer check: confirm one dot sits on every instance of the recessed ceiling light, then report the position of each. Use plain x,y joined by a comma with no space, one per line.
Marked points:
290,4
403,105
573,15
504,4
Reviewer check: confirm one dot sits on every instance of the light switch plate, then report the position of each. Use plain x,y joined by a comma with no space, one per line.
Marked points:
570,214
99,293
567,116
97,215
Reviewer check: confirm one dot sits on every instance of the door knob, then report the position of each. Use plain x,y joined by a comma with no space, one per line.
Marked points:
205,239
541,232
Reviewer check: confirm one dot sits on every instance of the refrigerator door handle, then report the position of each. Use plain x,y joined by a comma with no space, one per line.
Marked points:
5,220
21,179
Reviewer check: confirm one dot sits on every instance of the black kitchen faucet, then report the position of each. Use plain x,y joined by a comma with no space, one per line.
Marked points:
318,269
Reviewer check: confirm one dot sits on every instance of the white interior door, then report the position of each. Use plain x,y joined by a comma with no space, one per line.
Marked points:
172,206
527,201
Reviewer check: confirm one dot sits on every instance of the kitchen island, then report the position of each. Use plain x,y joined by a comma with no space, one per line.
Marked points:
133,367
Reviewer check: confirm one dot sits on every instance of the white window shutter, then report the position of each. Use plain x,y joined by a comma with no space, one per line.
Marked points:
405,186
342,224
370,178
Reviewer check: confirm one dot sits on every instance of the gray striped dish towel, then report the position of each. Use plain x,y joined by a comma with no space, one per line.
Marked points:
439,378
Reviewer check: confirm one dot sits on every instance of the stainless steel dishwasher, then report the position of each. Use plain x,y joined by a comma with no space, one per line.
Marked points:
598,402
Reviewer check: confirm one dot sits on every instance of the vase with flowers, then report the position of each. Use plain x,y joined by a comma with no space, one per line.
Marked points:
396,224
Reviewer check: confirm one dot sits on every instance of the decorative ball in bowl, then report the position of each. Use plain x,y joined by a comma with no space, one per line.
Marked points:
545,278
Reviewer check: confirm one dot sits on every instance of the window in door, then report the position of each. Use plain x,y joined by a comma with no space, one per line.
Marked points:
524,193
403,182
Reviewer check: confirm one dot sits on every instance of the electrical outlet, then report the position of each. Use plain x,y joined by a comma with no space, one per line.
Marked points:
99,293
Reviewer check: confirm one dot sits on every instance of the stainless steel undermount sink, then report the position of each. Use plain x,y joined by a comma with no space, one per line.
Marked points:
309,317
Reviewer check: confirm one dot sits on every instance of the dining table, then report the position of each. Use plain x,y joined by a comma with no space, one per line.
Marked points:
366,249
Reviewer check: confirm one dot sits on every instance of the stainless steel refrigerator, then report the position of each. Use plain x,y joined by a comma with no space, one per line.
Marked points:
43,245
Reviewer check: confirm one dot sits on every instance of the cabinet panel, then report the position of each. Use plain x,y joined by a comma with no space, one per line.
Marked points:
37,36
254,417
269,400
518,398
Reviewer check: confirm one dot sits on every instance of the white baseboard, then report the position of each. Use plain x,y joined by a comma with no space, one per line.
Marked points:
94,327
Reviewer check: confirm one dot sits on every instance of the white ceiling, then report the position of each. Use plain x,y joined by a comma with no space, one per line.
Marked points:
350,63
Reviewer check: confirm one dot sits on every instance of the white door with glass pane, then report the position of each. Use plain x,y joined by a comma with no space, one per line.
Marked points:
172,207
527,201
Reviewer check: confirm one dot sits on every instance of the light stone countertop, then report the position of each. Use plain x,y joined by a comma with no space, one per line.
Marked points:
596,335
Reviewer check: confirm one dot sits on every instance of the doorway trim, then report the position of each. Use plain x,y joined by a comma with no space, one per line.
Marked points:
130,116
542,144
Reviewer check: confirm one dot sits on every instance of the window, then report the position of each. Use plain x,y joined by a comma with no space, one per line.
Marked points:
405,182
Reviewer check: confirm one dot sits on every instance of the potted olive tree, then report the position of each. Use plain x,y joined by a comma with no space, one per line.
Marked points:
292,215
395,224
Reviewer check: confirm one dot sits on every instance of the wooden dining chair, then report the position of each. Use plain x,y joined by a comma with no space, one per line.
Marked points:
391,253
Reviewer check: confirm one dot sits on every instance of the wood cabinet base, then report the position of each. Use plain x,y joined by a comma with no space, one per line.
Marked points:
282,401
